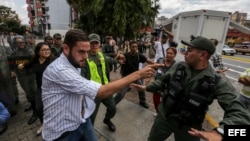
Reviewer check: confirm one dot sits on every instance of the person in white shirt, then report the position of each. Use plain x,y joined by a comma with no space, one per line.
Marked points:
161,46
68,98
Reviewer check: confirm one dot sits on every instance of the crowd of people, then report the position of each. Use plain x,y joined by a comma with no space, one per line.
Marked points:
65,81
27,61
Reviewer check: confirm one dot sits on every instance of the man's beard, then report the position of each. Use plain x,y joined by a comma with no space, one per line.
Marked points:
72,61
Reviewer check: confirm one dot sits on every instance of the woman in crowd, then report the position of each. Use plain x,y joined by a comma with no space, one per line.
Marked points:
168,61
41,60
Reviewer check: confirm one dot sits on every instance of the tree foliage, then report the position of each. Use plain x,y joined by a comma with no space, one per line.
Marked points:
115,17
9,20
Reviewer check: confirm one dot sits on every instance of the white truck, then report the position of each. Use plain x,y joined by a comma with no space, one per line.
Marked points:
206,23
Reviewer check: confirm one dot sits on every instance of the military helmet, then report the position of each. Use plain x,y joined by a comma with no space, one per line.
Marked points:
19,39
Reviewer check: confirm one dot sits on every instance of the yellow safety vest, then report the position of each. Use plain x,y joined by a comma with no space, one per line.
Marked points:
94,75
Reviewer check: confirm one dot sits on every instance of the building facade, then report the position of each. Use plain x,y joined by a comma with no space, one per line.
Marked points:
49,16
235,36
239,17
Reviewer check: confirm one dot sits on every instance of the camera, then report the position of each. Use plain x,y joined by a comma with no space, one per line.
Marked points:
157,31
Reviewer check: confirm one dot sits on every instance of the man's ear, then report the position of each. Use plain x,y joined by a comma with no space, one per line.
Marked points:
204,54
65,49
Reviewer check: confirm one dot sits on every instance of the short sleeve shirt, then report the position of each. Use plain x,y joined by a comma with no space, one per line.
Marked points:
132,63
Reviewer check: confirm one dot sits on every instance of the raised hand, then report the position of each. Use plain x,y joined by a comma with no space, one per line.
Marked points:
121,58
206,135
149,70
137,87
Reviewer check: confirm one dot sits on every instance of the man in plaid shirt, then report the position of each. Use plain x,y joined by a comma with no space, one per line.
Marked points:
216,60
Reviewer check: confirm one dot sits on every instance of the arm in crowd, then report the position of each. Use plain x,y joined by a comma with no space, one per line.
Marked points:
170,34
108,47
114,86
245,81
149,61
244,78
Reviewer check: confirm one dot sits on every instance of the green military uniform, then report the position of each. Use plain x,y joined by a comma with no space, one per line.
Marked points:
25,77
6,91
56,50
9,51
97,70
32,47
177,115
30,41
15,89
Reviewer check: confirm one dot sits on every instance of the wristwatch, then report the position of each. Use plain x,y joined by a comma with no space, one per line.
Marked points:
220,131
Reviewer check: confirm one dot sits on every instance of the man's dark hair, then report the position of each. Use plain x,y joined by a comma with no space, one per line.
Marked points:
173,49
215,41
47,37
38,47
73,36
173,44
133,42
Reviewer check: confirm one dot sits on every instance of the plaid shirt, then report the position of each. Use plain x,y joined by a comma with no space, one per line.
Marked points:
216,60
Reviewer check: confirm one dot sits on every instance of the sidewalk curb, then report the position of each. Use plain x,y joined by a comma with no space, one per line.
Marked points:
236,58
211,121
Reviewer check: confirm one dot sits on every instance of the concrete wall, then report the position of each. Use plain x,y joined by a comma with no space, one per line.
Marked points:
59,14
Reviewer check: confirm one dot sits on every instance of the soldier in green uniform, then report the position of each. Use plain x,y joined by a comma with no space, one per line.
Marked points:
9,51
30,41
188,88
97,69
26,78
56,48
6,91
